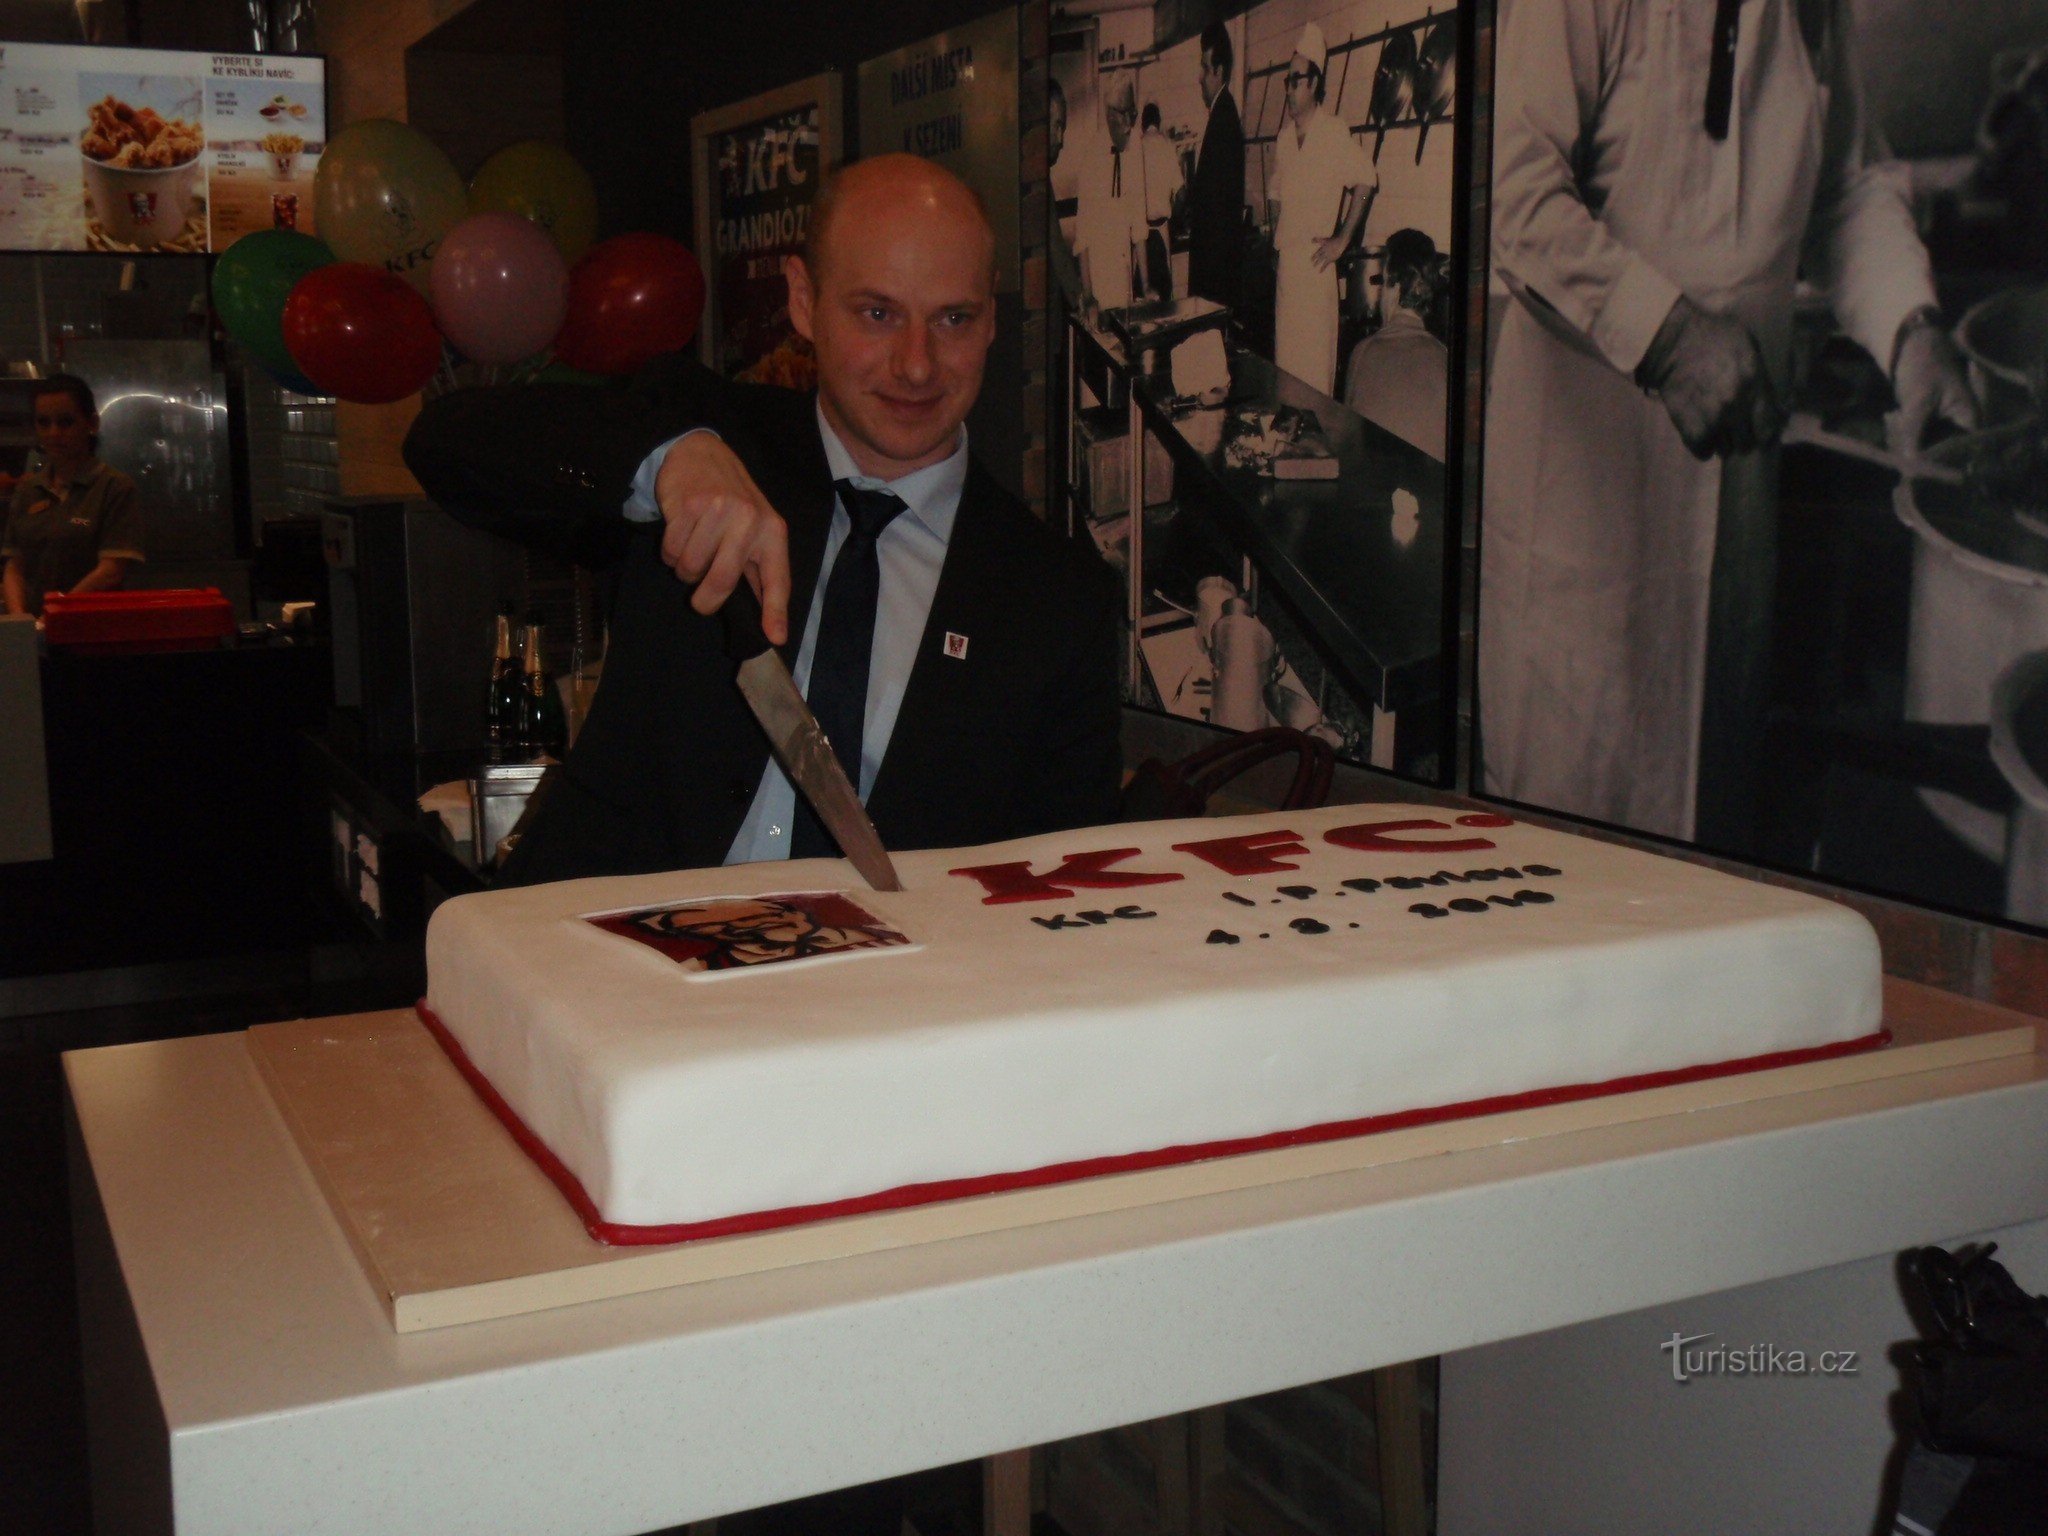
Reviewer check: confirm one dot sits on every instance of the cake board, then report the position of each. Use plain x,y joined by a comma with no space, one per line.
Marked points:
453,1223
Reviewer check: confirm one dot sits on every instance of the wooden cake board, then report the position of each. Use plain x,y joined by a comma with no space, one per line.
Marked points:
453,1223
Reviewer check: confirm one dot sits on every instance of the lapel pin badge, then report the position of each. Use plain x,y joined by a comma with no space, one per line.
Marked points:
956,646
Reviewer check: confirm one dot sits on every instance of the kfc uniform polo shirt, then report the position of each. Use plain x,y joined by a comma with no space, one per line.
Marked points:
60,539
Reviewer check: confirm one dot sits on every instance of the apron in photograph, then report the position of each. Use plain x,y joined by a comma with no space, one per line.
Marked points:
1305,318
1598,539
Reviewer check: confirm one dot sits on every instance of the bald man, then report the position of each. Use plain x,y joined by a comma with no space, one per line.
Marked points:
968,649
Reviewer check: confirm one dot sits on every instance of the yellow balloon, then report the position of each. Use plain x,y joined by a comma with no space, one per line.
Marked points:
541,182
385,195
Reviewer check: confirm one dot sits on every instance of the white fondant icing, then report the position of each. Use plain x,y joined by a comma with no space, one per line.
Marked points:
999,1046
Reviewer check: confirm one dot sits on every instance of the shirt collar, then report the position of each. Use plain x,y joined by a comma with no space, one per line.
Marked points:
85,476
931,495
1403,319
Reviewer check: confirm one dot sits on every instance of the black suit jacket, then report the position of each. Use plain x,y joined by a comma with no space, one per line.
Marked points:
1018,737
1216,206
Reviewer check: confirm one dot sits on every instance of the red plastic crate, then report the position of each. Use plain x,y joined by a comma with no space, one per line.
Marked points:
179,619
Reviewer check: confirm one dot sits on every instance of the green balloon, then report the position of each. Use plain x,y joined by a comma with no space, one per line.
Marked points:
385,195
252,279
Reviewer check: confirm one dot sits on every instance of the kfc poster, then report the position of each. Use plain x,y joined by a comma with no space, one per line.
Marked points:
759,165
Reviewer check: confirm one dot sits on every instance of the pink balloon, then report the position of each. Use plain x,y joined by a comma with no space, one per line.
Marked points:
499,287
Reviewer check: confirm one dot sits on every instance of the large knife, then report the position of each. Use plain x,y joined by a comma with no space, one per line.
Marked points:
798,741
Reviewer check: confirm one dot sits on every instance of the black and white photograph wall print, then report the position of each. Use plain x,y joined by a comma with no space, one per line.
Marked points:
1255,213
1764,536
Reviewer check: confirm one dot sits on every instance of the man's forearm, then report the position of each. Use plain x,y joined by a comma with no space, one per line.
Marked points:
17,586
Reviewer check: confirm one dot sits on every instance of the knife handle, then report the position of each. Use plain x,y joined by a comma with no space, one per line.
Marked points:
741,618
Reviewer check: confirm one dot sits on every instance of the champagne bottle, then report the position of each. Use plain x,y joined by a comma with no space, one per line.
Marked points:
544,728
501,705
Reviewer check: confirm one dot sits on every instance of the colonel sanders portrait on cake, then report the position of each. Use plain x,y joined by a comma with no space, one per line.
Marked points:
1762,465
730,933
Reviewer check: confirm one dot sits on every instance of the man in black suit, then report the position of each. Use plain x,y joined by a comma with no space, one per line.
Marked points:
979,700
1216,191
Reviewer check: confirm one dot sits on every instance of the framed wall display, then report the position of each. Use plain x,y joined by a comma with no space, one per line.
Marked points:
953,98
1261,220
142,150
1764,534
757,166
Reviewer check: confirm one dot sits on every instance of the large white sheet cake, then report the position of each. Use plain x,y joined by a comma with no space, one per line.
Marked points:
724,1043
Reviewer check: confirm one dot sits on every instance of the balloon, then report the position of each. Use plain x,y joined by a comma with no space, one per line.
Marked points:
631,299
385,195
361,334
541,182
499,287
251,281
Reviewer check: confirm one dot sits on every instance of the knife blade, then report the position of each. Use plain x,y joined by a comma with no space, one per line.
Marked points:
798,741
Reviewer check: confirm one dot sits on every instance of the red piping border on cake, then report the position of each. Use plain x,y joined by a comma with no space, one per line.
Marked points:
621,1234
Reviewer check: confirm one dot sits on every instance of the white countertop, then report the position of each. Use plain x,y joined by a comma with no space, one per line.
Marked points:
287,1403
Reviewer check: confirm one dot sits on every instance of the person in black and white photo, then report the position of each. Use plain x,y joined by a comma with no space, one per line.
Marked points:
1109,218
1323,185
1399,376
1640,379
1215,202
1163,188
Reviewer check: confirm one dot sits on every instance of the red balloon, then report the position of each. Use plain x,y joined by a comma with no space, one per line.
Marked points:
360,333
631,299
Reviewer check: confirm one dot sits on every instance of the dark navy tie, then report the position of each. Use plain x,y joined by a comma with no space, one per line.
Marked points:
838,688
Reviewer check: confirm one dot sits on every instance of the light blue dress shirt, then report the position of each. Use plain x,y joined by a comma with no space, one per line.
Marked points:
911,551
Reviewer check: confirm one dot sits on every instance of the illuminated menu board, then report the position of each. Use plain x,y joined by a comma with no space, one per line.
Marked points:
140,149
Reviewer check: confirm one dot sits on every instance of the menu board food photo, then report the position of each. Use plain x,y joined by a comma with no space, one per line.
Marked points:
137,150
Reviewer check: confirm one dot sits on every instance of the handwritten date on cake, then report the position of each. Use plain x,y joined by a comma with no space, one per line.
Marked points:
1474,905
736,932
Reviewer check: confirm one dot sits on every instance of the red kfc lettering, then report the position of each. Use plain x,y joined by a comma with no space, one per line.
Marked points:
1371,837
1249,853
1077,871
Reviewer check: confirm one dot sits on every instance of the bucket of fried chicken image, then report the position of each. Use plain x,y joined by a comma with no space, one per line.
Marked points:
141,172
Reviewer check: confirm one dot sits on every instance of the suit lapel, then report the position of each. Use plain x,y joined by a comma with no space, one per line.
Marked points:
968,602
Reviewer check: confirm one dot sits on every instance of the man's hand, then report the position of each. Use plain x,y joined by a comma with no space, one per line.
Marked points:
1709,373
1929,378
1328,250
721,528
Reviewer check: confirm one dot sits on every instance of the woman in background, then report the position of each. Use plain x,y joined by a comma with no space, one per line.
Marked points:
74,525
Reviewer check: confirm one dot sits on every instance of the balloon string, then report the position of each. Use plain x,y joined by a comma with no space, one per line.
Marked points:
444,376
